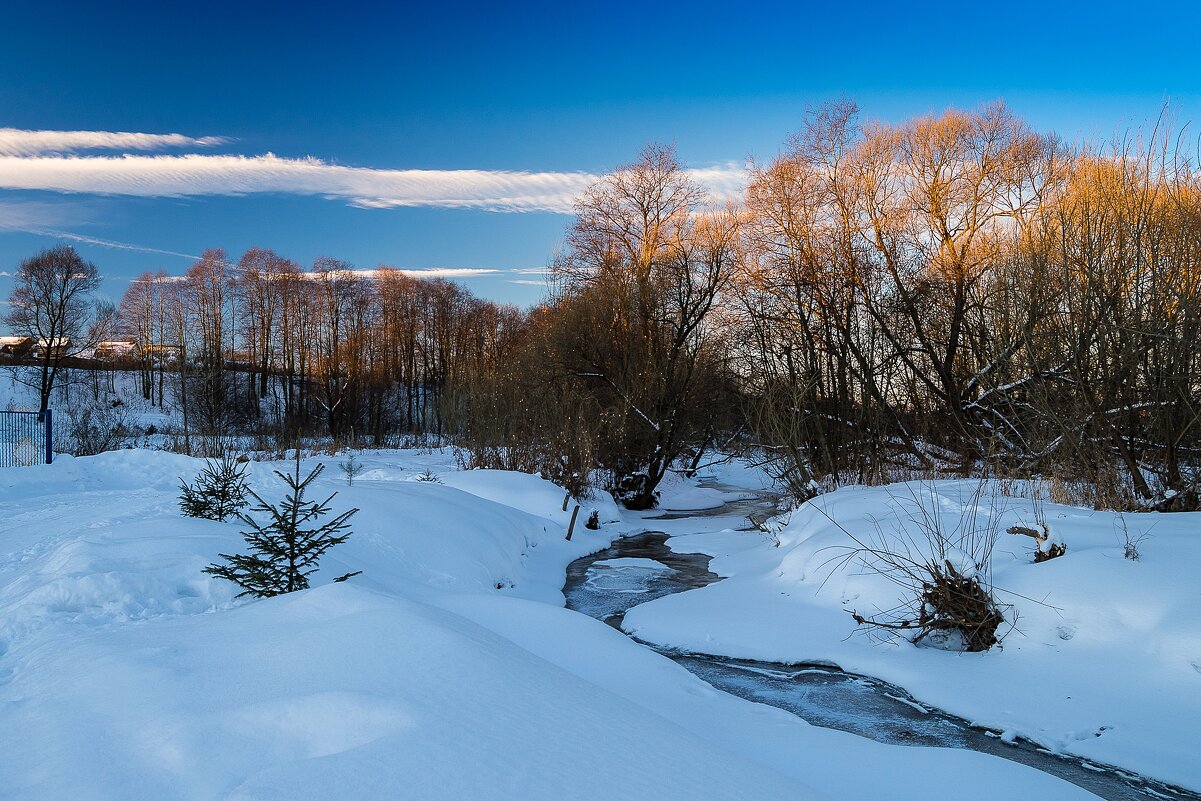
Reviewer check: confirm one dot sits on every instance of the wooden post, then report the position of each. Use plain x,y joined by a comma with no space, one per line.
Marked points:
49,436
566,498
571,525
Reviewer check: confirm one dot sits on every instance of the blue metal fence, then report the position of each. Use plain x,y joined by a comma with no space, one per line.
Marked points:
26,438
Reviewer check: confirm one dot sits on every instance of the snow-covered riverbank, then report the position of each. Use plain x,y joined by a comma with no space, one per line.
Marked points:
448,670
1104,661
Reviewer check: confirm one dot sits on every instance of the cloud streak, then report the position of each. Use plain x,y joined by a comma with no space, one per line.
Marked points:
412,272
42,219
193,175
109,243
448,272
47,219
18,142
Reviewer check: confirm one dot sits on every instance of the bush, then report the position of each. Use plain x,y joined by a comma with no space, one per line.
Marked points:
944,573
219,492
1131,543
96,428
283,552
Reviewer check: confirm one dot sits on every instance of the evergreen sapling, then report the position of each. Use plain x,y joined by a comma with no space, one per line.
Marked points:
217,493
351,468
286,550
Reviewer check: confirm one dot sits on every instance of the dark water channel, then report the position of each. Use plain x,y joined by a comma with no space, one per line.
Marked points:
640,568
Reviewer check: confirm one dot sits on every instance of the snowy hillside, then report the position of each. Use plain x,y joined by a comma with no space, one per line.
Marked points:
447,670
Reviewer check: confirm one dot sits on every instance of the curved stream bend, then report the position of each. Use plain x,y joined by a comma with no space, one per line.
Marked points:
640,568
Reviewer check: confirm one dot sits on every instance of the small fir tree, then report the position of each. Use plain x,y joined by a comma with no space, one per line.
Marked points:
284,553
351,468
219,492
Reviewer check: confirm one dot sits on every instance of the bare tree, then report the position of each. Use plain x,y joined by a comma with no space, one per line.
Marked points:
645,266
208,293
52,303
262,273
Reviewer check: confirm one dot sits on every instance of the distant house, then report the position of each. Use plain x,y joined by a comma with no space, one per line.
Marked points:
16,347
61,347
162,354
115,351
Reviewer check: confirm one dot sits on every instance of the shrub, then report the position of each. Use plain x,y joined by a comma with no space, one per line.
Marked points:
943,571
96,428
1131,543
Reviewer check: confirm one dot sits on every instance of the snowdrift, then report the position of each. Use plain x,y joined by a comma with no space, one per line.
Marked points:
447,670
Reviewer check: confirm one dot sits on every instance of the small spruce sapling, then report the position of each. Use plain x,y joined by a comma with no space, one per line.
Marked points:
351,468
428,477
284,553
218,492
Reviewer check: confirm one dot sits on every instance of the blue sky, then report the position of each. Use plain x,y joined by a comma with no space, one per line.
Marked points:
533,98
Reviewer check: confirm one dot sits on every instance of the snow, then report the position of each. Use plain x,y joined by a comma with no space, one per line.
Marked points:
1104,661
628,575
632,563
447,670
682,495
339,692
532,494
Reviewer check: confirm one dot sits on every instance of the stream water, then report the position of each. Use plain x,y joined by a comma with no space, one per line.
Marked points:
640,568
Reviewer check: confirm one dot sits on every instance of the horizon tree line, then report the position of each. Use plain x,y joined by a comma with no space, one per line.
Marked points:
952,294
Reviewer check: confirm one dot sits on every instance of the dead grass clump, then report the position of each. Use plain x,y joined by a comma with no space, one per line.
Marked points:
943,568
956,612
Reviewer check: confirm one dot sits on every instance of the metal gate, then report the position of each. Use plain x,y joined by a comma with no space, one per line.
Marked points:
26,438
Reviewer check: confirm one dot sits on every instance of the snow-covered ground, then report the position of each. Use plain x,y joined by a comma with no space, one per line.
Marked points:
1104,661
447,670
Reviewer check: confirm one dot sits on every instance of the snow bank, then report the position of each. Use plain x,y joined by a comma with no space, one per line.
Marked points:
679,494
446,670
844,766
533,495
1105,660
340,692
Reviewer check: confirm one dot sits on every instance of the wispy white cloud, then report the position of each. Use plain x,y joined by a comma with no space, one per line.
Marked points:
17,142
43,219
110,243
723,182
47,219
414,272
527,282
192,175
449,272
48,161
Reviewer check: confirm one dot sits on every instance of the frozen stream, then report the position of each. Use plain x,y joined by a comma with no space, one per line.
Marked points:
640,568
